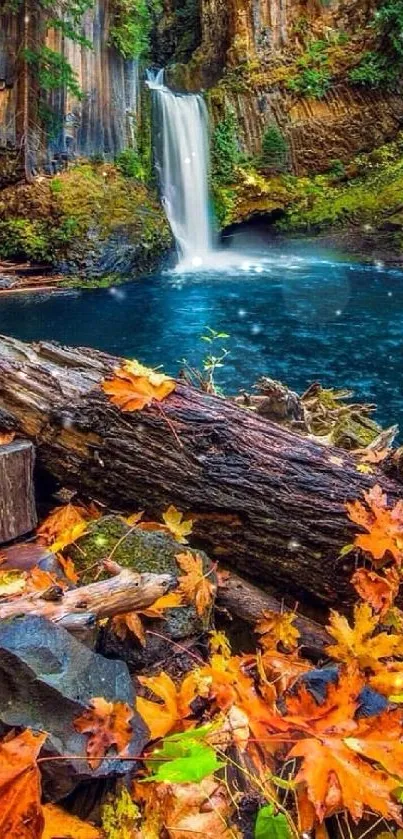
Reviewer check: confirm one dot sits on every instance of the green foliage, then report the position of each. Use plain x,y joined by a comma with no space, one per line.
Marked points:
274,149
337,169
119,816
53,70
131,27
271,824
313,79
184,758
24,239
382,67
187,29
224,148
129,164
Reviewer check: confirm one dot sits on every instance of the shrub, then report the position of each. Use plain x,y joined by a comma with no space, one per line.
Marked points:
129,164
274,149
225,149
311,82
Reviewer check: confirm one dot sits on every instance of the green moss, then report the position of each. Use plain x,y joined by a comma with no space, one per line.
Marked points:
119,816
70,219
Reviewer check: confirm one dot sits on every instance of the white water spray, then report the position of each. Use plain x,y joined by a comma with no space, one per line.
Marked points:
182,152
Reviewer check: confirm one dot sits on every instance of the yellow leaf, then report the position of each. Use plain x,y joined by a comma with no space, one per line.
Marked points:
129,622
172,600
176,525
358,643
364,468
11,582
134,519
68,536
162,718
278,628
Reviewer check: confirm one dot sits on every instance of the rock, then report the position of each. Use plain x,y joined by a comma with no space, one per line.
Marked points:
47,680
7,281
142,551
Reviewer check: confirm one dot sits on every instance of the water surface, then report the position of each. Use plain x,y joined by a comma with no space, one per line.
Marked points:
293,313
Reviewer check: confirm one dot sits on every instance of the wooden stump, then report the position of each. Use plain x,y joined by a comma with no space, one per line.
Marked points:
17,497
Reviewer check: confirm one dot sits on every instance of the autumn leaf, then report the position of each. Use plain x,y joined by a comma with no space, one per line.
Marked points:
277,628
162,718
389,679
134,387
177,525
107,724
131,621
379,592
12,582
20,786
380,739
179,811
7,437
63,526
358,642
195,586
59,824
68,568
384,525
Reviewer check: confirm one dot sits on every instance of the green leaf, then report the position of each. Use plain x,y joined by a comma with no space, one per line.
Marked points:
184,758
346,550
271,825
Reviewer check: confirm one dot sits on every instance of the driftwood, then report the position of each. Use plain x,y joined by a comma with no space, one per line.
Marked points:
247,602
266,501
126,591
17,497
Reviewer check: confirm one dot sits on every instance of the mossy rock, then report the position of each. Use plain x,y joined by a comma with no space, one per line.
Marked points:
143,551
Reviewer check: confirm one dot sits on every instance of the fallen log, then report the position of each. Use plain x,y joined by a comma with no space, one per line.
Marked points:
247,602
266,501
126,591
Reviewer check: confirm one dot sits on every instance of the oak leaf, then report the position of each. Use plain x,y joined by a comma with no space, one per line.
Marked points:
20,786
358,643
177,525
175,707
195,586
107,724
277,628
384,525
379,591
134,387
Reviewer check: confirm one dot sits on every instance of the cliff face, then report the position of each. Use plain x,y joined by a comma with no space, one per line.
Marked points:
101,122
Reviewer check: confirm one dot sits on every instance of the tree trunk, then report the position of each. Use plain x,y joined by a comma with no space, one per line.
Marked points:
265,501
17,496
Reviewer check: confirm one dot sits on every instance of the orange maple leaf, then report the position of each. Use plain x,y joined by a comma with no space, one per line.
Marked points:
131,621
107,724
277,628
175,707
61,824
133,391
195,586
359,643
379,592
384,525
20,786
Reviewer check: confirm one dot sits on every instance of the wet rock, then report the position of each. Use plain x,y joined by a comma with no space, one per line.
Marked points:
142,551
47,680
7,281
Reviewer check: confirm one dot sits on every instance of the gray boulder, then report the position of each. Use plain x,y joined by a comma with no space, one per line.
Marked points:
47,680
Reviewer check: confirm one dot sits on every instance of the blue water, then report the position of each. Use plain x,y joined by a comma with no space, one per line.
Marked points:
293,313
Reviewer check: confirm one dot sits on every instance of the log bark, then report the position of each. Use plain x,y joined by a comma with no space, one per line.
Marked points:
17,496
265,501
247,602
124,592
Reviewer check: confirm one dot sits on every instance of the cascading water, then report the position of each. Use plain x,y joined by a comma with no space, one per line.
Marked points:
182,157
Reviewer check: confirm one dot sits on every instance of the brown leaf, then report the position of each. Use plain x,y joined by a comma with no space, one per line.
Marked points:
107,724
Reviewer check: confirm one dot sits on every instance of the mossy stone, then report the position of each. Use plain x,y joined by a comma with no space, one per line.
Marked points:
143,551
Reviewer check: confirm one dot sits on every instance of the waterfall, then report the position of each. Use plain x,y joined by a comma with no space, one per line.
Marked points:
182,158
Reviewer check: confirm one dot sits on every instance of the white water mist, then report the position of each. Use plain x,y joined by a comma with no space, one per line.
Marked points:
182,157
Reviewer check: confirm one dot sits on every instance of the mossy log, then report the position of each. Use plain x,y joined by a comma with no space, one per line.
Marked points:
266,501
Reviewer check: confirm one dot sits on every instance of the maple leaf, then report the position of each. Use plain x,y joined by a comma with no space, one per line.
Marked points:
389,680
182,810
107,724
175,707
195,586
336,779
7,437
131,621
64,525
61,824
357,643
134,388
379,592
380,739
384,525
177,525
277,628
20,786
